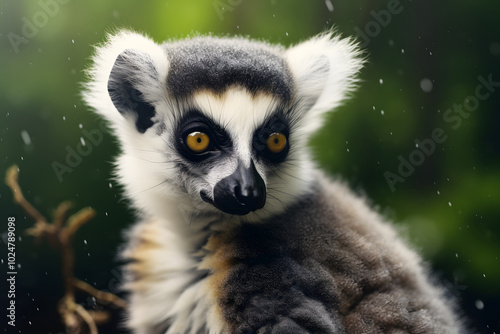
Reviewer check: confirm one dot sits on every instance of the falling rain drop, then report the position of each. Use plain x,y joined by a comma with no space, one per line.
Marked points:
329,5
26,137
426,85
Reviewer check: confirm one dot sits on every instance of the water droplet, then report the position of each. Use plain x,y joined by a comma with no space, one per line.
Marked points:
484,275
80,126
64,118
22,158
26,137
287,34
85,242
73,41
110,185
382,112
347,150
381,81
438,192
29,322
449,204
479,304
69,58
402,51
426,85
329,5
106,214
456,255
88,254
373,107
82,141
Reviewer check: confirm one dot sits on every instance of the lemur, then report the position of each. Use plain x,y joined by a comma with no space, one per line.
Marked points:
238,230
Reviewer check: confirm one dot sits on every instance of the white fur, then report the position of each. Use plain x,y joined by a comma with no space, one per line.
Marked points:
325,69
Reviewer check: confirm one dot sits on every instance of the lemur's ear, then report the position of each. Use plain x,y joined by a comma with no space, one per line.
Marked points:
324,68
127,78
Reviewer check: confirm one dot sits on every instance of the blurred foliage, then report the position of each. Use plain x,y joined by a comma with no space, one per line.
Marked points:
449,205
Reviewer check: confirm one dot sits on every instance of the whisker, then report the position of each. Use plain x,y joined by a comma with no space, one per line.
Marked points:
153,162
159,184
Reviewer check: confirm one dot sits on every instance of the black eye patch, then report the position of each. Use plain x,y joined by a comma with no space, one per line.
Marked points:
277,124
194,121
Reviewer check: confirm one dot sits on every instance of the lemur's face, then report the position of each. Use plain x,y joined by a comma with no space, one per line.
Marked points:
231,146
222,122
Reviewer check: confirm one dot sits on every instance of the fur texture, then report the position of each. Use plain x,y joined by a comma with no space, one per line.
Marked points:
314,259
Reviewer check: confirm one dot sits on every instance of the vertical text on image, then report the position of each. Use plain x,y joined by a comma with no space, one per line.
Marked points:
11,270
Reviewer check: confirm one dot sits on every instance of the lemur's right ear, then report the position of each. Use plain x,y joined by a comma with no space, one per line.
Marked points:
128,76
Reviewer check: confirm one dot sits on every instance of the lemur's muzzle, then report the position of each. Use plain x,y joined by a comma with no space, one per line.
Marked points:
241,192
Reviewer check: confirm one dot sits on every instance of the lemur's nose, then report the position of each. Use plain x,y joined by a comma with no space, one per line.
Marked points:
241,192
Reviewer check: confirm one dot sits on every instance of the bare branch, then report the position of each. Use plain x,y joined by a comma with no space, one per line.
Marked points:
77,220
61,214
82,312
60,233
101,296
11,179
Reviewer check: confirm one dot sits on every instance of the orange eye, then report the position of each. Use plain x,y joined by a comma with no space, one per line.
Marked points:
276,142
197,142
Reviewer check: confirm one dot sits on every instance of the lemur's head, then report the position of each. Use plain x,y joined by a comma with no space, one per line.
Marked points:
219,123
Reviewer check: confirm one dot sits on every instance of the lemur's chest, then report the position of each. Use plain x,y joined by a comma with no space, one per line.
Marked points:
238,281
170,287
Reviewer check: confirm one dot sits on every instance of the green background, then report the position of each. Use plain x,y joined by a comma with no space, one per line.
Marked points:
448,207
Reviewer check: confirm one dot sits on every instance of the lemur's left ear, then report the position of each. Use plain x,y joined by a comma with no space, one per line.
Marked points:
127,80
324,68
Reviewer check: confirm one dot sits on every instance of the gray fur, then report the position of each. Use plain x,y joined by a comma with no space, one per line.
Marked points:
217,63
313,271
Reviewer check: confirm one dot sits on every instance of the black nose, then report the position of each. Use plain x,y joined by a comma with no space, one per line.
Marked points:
241,192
